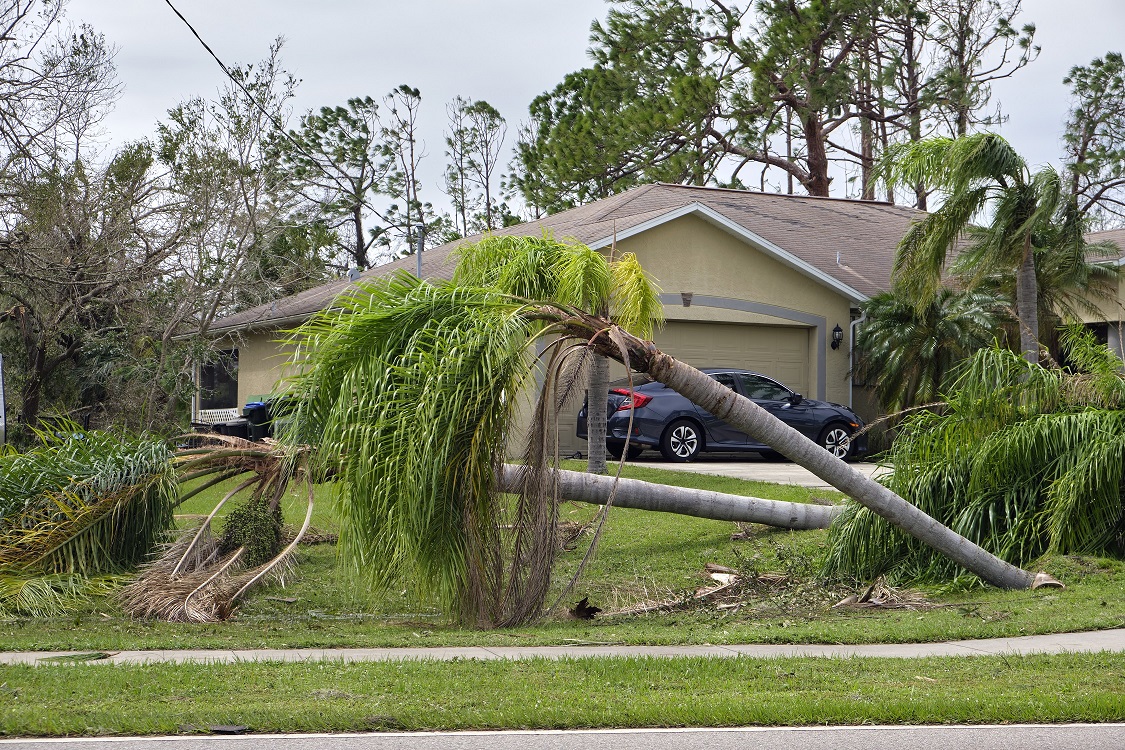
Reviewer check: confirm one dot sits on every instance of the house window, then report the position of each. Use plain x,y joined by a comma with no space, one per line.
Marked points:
218,381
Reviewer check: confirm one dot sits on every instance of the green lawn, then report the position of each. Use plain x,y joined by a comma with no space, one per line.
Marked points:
643,557
578,693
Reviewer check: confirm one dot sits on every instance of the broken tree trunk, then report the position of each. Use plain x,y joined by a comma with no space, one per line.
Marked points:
633,493
759,424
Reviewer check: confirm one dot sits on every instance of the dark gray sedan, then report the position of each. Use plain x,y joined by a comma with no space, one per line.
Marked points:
665,420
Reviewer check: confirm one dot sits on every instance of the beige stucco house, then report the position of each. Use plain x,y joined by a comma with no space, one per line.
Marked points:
752,280
1108,321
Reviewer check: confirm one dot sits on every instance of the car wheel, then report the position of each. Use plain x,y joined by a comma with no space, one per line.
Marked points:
682,441
837,440
614,449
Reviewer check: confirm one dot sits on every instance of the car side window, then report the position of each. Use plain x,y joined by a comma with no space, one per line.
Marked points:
726,379
763,389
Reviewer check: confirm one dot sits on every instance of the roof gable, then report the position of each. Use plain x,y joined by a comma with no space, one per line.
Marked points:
714,217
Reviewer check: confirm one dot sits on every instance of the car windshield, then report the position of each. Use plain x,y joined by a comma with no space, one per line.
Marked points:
764,389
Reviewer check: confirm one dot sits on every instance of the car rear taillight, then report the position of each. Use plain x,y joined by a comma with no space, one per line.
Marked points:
632,400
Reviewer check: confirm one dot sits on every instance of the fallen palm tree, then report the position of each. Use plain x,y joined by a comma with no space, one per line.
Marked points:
201,575
717,506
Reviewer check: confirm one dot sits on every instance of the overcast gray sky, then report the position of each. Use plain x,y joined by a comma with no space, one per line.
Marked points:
503,51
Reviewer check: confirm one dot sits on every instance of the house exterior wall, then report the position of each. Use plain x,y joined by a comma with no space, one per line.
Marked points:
721,270
261,364
748,310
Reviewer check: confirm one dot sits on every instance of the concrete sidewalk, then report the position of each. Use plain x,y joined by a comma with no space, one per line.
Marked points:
740,467
1096,641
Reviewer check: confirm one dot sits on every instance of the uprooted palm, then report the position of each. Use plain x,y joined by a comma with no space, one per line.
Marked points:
408,391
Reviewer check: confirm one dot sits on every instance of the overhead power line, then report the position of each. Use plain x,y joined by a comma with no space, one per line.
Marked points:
278,125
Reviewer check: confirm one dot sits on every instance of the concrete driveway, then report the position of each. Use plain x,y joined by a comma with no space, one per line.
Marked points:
758,469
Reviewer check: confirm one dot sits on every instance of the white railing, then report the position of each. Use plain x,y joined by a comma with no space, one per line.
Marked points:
217,416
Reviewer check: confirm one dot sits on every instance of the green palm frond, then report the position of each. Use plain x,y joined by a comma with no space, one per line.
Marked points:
584,279
951,164
636,305
923,252
906,353
1023,460
409,388
84,502
533,268
25,594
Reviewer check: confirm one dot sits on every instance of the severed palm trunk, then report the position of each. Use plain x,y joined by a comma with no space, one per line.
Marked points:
763,427
717,506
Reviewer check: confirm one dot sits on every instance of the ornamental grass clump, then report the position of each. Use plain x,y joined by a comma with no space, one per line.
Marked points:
76,511
1022,459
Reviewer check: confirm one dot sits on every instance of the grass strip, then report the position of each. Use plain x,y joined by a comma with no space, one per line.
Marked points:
85,700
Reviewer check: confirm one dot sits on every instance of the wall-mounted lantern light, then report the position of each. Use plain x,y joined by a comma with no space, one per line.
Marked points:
685,297
837,336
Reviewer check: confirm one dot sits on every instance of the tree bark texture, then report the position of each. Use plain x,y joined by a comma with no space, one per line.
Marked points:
718,506
598,387
1027,304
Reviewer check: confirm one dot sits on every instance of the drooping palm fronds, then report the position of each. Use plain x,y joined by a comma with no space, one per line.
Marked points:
74,511
576,276
408,390
415,386
200,575
84,502
1023,461
25,594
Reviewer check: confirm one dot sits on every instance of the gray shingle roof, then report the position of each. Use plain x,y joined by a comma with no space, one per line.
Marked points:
849,240
1116,236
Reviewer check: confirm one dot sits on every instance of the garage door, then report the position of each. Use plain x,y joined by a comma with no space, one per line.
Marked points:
781,352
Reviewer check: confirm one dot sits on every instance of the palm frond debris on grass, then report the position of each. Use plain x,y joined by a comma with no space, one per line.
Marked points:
76,511
200,575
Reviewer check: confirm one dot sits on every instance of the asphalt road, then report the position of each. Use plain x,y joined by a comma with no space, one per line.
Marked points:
1055,737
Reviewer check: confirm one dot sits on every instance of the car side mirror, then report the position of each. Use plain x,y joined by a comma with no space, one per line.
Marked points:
795,399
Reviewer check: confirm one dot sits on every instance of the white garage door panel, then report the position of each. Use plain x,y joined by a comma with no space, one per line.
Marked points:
781,352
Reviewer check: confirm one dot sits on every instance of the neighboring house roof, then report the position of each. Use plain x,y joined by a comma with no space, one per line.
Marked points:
848,245
1116,236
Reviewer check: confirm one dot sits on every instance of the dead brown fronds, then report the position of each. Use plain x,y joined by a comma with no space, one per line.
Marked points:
200,575
880,595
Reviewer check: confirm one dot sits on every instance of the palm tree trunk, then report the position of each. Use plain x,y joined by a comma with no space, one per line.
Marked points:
718,506
596,414
760,425
1027,304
